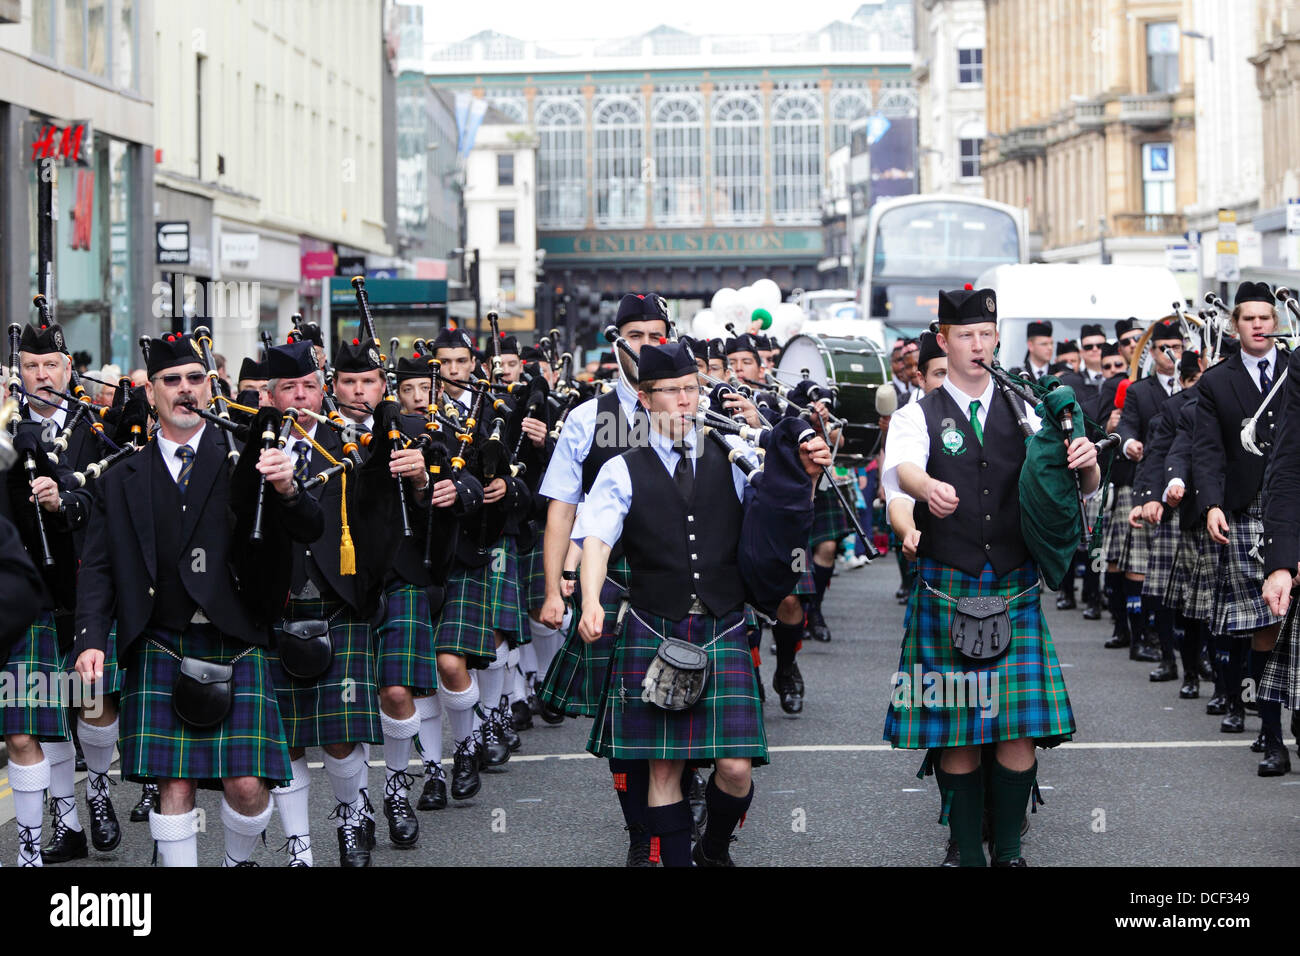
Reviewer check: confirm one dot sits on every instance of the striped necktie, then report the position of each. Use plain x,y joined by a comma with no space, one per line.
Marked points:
186,454
303,451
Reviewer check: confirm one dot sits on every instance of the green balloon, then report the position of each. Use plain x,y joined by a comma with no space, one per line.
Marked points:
762,314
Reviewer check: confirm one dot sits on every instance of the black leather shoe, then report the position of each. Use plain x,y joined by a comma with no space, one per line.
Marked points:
1144,651
1065,602
952,856
353,849
367,821
1117,640
492,748
1191,688
434,794
105,833
638,848
1093,611
798,678
66,844
465,781
521,716
900,593
1216,705
548,713
820,632
1234,722
698,856
506,730
699,806
1018,861
1259,744
403,827
1276,762
1206,667
1167,670
783,683
148,802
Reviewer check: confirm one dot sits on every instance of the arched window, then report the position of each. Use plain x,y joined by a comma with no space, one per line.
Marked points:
796,157
678,133
618,123
512,105
847,105
737,157
898,102
561,155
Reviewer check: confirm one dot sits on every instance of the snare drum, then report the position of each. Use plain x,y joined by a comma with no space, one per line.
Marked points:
855,368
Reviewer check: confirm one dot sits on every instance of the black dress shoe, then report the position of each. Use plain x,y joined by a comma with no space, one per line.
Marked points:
1117,640
1259,744
403,827
548,713
798,678
951,856
1276,762
783,683
521,716
1216,705
1167,670
148,802
434,794
1144,651
105,833
699,806
700,859
1093,611
820,632
1234,722
353,849
1065,602
638,848
367,819
66,844
506,730
493,750
1191,688
465,781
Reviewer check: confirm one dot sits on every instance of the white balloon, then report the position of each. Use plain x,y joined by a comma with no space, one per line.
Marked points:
722,298
706,325
750,298
768,293
787,321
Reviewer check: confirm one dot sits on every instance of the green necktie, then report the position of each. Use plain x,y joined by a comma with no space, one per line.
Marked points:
975,421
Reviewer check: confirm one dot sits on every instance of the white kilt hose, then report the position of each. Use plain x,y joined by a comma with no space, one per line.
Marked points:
1239,604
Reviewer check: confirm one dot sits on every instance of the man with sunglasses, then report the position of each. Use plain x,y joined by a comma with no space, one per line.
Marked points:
159,553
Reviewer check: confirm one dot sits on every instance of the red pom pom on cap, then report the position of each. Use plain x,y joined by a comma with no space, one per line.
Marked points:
968,287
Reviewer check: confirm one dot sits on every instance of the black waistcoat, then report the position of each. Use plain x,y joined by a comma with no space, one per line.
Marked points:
172,606
611,422
679,549
985,528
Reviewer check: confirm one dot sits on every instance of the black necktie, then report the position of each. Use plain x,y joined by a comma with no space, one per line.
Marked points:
1265,383
684,474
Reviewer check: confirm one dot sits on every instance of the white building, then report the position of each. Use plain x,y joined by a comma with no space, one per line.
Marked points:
501,216
271,115
950,88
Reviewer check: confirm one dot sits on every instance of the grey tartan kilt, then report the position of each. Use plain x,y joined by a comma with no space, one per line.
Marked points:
1136,553
1180,578
1115,533
1165,538
1203,579
1281,681
1239,604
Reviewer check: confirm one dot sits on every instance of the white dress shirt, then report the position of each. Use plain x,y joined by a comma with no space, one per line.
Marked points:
167,448
563,478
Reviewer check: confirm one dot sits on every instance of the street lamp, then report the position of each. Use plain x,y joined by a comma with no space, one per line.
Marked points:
1197,35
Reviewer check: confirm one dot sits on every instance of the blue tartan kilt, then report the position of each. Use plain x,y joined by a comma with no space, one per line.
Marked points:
404,654
727,720
342,705
1203,581
157,744
479,602
576,678
1180,577
34,689
1165,539
830,523
1031,697
1239,604
532,571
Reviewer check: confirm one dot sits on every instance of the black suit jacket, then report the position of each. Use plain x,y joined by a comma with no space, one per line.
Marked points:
1178,460
120,564
1122,471
1149,482
1282,478
20,586
1089,396
1227,476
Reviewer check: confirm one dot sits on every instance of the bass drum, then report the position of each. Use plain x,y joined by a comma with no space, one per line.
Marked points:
856,369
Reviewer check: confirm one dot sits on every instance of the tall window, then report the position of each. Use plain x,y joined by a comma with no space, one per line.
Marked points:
678,161
796,157
507,283
505,169
969,151
737,158
561,157
970,66
847,105
618,123
506,227
1162,57
1158,178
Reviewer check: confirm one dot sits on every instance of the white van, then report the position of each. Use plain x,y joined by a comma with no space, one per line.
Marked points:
1071,296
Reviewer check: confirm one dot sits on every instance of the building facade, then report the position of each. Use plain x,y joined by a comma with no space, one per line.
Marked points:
76,106
1091,121
1277,73
272,119
950,91
684,163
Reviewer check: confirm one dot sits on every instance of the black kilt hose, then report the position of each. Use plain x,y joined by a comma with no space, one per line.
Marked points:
342,705
576,678
727,720
481,601
404,642
1239,605
32,681
155,743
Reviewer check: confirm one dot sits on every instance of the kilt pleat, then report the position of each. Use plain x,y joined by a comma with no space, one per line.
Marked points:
532,571
1135,553
33,686
727,720
830,523
1239,604
576,678
1165,539
114,676
342,706
1281,681
155,743
1203,581
404,654
1180,576
479,602
1115,530
1032,698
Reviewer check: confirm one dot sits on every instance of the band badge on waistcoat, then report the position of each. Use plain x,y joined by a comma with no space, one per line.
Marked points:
954,443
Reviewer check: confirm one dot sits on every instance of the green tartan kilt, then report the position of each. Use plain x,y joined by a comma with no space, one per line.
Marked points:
342,705
157,744
830,523
1203,583
481,601
576,679
114,676
806,585
36,706
532,573
1031,696
727,720
404,655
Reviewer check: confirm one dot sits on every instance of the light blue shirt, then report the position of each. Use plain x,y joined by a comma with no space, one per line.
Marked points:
563,478
606,507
